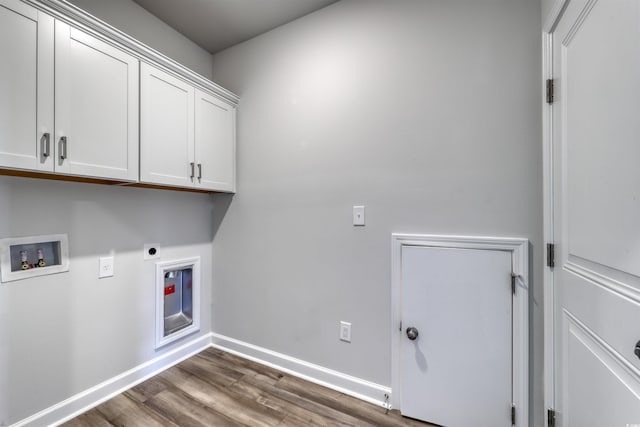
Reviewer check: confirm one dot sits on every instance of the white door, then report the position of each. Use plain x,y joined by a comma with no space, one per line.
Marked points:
596,138
457,372
166,129
215,147
96,107
26,87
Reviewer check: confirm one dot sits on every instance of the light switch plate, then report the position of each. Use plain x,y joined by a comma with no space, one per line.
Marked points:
358,215
106,267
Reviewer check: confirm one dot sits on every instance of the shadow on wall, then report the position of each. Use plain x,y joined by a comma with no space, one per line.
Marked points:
221,203
100,218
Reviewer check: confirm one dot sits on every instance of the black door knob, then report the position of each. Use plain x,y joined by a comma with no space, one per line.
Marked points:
637,349
412,333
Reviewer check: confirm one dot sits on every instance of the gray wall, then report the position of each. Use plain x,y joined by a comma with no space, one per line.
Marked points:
547,6
132,19
64,333
61,334
426,112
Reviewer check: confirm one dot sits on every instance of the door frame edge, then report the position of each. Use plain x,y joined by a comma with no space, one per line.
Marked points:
519,248
548,27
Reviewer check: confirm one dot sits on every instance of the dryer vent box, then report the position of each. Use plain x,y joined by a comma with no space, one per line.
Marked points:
177,299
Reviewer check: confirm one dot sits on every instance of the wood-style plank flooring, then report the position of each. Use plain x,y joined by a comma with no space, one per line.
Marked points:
215,388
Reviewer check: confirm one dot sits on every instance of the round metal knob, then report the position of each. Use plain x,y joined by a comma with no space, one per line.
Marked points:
412,333
637,349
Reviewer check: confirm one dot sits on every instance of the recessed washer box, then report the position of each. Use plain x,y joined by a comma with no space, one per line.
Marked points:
32,256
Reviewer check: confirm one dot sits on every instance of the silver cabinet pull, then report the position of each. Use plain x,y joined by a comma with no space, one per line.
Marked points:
199,171
45,141
63,147
193,171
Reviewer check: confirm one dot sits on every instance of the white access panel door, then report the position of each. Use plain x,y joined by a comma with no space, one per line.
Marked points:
166,129
96,107
457,372
596,178
215,147
26,87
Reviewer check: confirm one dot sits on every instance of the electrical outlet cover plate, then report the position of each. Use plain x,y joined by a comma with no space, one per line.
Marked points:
345,331
106,267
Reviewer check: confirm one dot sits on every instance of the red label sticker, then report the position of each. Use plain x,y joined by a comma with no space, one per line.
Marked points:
168,290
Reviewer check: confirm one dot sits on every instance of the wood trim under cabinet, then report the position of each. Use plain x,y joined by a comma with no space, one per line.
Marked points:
57,177
72,178
168,187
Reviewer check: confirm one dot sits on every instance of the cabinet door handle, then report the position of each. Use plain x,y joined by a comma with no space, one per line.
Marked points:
46,144
199,171
63,147
193,171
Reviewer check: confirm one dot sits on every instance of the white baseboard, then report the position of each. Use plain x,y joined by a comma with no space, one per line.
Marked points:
83,401
347,384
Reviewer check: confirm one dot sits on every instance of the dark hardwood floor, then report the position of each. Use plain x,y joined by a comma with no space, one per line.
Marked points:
215,388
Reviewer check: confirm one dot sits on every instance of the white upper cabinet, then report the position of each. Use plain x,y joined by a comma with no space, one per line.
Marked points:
76,100
95,131
26,87
215,145
187,136
96,106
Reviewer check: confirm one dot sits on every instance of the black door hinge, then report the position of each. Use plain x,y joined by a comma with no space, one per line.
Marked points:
551,255
551,418
513,415
550,91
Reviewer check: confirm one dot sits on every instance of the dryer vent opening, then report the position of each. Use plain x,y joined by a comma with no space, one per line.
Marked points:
177,299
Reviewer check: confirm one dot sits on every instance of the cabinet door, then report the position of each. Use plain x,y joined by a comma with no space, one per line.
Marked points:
215,147
96,107
166,129
26,87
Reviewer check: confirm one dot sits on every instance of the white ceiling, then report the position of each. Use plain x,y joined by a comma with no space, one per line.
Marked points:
218,24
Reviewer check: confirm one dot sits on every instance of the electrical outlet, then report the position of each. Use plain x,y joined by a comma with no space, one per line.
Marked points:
151,251
345,331
106,267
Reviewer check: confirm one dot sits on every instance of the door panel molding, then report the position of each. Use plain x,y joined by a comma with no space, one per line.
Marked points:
612,364
578,23
613,360
519,249
605,281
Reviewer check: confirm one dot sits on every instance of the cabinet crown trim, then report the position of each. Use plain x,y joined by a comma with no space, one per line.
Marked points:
77,17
